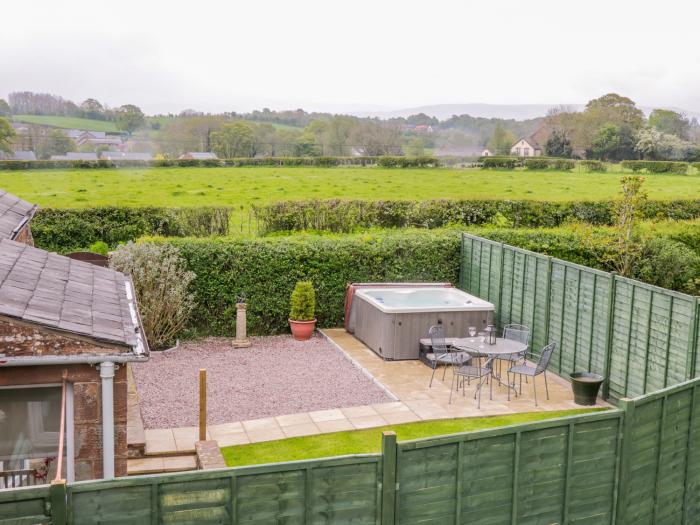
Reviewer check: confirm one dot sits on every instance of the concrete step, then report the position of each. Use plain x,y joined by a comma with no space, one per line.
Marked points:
160,464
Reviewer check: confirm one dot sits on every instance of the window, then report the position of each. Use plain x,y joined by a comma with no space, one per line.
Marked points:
517,151
30,418
526,152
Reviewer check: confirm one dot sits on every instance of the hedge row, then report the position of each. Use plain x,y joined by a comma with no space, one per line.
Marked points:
656,166
541,163
342,216
266,270
391,162
66,230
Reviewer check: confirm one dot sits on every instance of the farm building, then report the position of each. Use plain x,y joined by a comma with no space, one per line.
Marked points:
123,155
67,330
526,147
15,218
18,155
72,155
198,155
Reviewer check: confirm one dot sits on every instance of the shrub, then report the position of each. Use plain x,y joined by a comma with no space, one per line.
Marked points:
303,302
669,264
161,284
64,230
656,166
696,165
266,270
563,164
537,164
507,163
99,247
593,165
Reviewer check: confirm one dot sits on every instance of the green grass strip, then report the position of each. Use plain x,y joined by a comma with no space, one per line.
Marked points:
369,441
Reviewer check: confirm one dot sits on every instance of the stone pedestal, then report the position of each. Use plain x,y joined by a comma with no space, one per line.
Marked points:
242,340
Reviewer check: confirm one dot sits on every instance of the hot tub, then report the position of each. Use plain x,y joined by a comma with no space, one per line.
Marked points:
391,321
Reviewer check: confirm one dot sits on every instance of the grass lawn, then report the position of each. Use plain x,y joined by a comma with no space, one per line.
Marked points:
67,122
368,441
241,187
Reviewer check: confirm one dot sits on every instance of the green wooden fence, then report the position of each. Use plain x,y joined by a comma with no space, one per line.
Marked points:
639,337
633,465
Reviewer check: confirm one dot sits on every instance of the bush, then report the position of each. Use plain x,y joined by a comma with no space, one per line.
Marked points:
668,263
303,302
537,164
696,165
593,165
344,216
656,166
65,230
408,162
507,163
266,271
161,284
563,164
99,247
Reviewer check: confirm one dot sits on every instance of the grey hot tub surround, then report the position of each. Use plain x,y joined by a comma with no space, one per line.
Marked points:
392,321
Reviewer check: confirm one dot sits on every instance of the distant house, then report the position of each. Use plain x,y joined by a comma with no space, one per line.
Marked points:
123,155
198,155
464,151
423,128
526,147
18,155
486,153
15,216
71,155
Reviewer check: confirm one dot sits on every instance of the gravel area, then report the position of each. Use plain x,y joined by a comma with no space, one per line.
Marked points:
275,376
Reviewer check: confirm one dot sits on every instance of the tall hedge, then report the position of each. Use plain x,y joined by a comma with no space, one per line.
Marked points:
343,216
656,166
65,230
266,270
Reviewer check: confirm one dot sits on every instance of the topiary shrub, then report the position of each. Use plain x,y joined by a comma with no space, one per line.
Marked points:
161,283
303,302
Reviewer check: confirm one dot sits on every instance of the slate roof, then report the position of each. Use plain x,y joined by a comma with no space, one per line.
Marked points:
74,296
13,212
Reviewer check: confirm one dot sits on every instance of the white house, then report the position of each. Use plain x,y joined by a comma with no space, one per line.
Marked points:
526,147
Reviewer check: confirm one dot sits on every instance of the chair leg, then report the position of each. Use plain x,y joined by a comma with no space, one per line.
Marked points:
546,388
431,377
444,371
508,385
534,387
452,387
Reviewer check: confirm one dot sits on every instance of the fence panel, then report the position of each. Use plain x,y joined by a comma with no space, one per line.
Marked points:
563,470
641,338
321,491
660,475
25,506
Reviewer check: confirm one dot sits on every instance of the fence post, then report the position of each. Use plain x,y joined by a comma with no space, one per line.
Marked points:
609,335
626,405
548,302
57,497
692,342
461,261
389,486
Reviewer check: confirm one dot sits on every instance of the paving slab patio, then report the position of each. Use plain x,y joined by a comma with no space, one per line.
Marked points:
407,380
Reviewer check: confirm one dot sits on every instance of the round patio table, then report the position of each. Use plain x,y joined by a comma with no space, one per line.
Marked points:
503,347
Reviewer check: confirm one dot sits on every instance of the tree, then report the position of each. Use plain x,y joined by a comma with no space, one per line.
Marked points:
654,145
501,141
189,134
375,139
626,248
613,142
306,145
667,121
234,140
57,143
129,118
4,108
558,145
6,136
91,108
616,109
416,147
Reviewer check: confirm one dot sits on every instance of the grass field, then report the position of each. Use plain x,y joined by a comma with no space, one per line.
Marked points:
369,441
241,187
67,122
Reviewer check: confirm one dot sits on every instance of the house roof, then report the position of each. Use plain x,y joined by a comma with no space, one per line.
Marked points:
71,155
18,155
199,155
532,142
121,155
14,212
73,296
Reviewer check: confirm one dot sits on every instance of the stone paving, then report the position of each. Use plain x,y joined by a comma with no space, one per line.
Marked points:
407,381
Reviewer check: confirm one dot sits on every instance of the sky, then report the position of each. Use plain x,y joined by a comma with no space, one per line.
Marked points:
342,56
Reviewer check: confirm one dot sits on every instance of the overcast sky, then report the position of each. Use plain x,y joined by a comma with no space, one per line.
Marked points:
341,56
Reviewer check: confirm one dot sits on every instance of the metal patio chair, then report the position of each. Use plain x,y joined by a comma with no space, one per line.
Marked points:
466,373
514,332
533,371
442,354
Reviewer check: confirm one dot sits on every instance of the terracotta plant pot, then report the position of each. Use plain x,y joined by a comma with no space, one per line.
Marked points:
302,330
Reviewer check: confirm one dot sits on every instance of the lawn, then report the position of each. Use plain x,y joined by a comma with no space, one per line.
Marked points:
67,122
369,441
241,187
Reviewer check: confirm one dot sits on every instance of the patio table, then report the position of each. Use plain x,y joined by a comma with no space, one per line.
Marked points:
503,347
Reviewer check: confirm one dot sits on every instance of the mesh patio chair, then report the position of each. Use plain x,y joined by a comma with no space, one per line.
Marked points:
442,354
514,332
533,371
466,373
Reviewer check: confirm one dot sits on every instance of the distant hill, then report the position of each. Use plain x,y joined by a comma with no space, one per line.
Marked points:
502,111
67,122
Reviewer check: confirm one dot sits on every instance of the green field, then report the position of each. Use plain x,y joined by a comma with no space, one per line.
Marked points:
241,187
67,122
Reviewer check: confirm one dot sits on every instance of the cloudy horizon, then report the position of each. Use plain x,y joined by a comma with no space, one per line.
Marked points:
370,56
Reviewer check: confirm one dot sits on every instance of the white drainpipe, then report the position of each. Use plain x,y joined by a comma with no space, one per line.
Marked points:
107,376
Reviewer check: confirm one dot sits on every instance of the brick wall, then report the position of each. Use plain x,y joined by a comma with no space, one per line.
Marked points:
22,339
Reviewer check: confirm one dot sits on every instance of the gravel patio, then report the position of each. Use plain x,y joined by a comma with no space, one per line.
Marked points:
275,376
